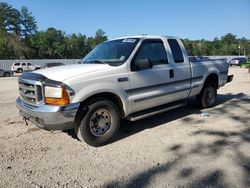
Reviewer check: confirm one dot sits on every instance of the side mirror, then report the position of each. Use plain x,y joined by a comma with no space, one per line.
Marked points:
143,64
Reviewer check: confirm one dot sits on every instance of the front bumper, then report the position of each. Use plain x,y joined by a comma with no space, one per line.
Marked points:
49,117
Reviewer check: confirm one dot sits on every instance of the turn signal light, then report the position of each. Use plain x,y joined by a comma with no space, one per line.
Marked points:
64,100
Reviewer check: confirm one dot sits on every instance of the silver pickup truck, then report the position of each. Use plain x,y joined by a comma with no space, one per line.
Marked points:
125,78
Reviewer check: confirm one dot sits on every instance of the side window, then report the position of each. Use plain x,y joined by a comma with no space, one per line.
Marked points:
29,64
17,64
176,51
154,51
23,64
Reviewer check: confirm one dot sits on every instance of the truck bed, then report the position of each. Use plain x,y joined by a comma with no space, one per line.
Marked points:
202,68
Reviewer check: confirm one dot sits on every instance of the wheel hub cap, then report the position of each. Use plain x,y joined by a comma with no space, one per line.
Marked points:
100,122
210,95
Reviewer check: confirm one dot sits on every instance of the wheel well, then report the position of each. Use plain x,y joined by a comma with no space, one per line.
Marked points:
213,78
105,95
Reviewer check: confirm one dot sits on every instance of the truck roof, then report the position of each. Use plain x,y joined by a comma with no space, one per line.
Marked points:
144,36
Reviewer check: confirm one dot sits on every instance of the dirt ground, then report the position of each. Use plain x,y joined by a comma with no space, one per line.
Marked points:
179,148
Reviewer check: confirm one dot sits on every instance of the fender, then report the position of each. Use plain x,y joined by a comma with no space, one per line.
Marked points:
104,87
211,70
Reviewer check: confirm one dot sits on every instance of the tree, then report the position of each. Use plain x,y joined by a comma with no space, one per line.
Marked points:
230,44
100,36
28,22
10,19
76,46
226,45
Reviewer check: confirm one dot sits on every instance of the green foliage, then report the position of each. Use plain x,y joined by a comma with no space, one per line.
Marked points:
226,45
28,22
55,44
10,19
19,38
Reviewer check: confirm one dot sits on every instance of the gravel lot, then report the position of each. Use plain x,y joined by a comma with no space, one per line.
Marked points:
178,148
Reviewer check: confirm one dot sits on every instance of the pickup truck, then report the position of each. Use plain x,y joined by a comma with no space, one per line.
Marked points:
126,78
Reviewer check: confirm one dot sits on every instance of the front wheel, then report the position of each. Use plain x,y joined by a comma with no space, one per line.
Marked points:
100,123
6,74
207,96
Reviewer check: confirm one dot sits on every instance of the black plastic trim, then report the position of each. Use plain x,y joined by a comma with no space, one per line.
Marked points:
164,94
164,84
124,79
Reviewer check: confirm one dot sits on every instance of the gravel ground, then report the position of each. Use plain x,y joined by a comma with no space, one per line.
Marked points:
180,148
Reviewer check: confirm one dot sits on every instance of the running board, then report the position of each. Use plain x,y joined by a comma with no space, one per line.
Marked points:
156,110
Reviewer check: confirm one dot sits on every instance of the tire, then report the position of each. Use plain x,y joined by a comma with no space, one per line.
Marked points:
207,96
6,74
37,68
19,70
100,124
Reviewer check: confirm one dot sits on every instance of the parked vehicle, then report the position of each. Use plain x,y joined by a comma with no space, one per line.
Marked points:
24,66
126,78
237,61
53,64
193,58
5,73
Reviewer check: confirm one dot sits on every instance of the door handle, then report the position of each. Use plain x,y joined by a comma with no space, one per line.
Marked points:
171,73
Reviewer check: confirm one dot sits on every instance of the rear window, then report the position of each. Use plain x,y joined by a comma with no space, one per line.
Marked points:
176,51
16,64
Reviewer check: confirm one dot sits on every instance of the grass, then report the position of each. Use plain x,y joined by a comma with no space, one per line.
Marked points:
245,64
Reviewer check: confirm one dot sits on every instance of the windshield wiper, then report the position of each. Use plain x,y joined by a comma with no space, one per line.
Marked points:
97,61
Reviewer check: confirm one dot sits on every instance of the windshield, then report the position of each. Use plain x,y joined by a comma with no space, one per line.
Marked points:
114,52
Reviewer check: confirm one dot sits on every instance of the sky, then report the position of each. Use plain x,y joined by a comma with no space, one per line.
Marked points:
192,19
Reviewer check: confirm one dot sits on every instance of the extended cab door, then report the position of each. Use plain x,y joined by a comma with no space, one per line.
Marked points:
181,73
152,86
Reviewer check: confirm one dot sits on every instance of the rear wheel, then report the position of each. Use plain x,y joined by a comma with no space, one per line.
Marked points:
19,70
207,96
6,74
100,123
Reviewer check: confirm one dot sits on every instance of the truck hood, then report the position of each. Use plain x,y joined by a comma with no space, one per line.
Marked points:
61,73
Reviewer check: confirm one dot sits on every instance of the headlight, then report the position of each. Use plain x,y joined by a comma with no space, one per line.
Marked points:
56,96
53,92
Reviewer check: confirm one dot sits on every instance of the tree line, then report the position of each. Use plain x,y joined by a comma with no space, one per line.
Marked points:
228,44
20,39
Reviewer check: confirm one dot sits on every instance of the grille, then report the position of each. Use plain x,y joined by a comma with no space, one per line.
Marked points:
31,91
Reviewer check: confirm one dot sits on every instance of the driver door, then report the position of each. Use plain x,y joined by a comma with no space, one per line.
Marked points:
151,87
